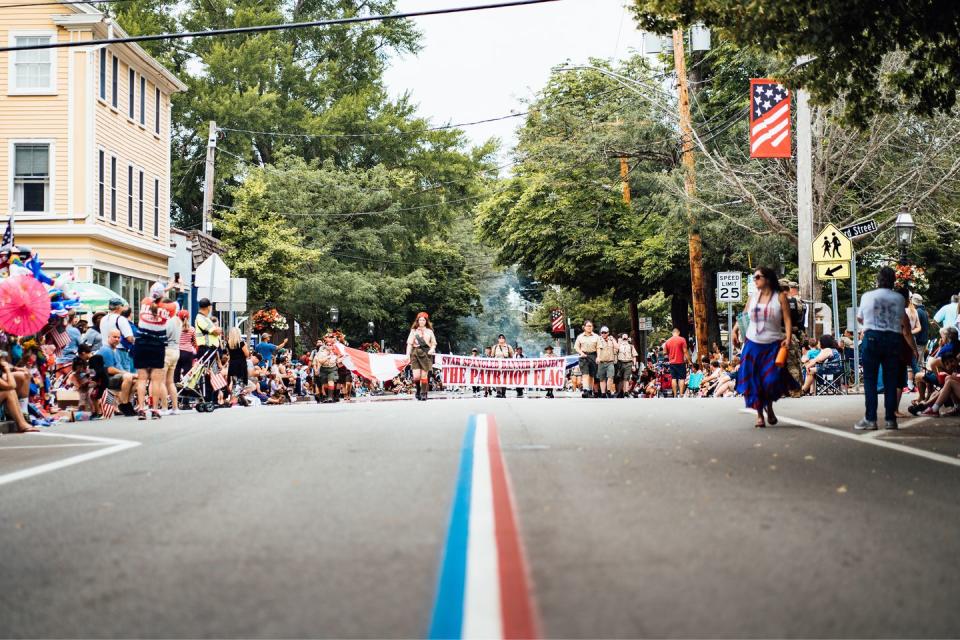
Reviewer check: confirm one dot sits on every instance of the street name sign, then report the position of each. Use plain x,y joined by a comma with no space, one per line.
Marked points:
729,286
832,246
862,228
833,271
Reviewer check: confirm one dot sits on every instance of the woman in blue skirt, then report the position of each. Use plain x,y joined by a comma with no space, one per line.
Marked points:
759,379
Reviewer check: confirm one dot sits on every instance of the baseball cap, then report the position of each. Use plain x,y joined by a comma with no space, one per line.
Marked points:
183,313
549,347
157,290
917,298
115,303
604,330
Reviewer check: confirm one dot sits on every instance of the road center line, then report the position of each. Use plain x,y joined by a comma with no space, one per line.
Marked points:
52,446
929,455
483,590
116,446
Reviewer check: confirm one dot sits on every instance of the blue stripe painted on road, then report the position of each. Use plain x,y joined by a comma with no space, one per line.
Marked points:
447,619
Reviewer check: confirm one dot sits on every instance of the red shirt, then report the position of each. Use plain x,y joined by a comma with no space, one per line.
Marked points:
675,348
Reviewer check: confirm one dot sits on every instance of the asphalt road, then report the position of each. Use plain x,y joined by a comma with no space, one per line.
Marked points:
668,518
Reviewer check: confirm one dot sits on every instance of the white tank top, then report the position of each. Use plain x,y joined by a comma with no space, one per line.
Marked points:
766,320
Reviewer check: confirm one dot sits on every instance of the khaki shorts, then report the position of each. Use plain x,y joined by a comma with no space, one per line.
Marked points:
624,369
171,357
325,375
605,370
420,360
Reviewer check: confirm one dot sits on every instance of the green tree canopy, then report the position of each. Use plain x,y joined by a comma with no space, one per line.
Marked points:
845,43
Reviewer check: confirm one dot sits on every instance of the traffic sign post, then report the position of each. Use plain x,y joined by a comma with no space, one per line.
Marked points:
729,290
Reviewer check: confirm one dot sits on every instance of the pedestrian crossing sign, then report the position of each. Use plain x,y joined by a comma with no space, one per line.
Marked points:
832,246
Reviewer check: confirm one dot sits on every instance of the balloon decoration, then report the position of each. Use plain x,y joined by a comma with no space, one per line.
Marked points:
57,302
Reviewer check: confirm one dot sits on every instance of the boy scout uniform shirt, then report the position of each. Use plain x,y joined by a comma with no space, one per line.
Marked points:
605,350
502,351
325,358
626,352
587,343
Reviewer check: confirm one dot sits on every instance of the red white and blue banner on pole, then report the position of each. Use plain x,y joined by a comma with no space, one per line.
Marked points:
484,589
769,119
465,371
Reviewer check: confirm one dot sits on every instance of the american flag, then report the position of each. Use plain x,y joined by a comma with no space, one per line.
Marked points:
6,243
217,380
108,405
556,321
769,119
7,240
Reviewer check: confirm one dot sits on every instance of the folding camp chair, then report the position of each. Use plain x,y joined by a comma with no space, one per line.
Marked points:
830,379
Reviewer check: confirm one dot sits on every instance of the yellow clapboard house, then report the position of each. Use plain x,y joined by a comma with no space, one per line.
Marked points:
85,147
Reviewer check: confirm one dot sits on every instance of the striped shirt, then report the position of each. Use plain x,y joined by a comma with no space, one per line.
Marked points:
186,339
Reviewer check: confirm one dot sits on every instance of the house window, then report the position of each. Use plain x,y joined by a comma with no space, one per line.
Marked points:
156,207
130,196
31,178
101,179
103,74
113,189
156,112
132,93
140,203
143,100
115,78
33,69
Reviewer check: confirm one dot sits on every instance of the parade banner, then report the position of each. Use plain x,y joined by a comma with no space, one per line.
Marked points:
465,371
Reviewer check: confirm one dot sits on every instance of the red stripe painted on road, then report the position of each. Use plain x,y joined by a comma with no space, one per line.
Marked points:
519,613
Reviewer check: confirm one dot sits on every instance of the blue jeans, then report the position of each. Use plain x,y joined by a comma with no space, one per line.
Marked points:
882,348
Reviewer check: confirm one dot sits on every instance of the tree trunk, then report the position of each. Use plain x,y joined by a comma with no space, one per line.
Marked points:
713,314
635,324
680,311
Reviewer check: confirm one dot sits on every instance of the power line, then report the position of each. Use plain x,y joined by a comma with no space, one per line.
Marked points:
539,108
279,27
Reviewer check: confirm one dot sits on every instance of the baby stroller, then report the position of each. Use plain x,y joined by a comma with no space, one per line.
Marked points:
193,385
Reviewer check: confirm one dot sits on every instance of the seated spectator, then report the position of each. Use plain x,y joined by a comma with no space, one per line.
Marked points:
714,376
116,379
13,402
827,359
812,351
694,380
727,386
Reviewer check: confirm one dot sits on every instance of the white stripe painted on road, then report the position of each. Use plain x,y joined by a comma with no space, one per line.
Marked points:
482,617
116,446
929,455
52,446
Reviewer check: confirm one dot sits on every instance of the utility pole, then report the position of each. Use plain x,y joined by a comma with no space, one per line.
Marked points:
690,183
208,180
634,312
805,204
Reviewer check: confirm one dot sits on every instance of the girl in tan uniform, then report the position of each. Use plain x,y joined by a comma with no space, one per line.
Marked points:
421,347
502,350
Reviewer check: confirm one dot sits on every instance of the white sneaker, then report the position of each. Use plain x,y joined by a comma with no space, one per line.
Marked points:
165,412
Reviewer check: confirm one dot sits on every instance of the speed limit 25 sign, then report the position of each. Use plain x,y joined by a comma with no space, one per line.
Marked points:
729,286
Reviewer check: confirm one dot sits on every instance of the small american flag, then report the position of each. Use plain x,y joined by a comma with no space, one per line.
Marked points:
218,380
6,242
108,405
769,119
556,321
59,337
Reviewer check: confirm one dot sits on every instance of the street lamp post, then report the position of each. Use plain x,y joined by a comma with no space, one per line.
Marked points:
905,229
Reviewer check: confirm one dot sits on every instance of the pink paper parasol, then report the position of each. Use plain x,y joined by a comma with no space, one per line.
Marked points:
24,305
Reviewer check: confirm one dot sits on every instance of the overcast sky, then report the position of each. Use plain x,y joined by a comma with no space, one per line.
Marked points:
480,65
